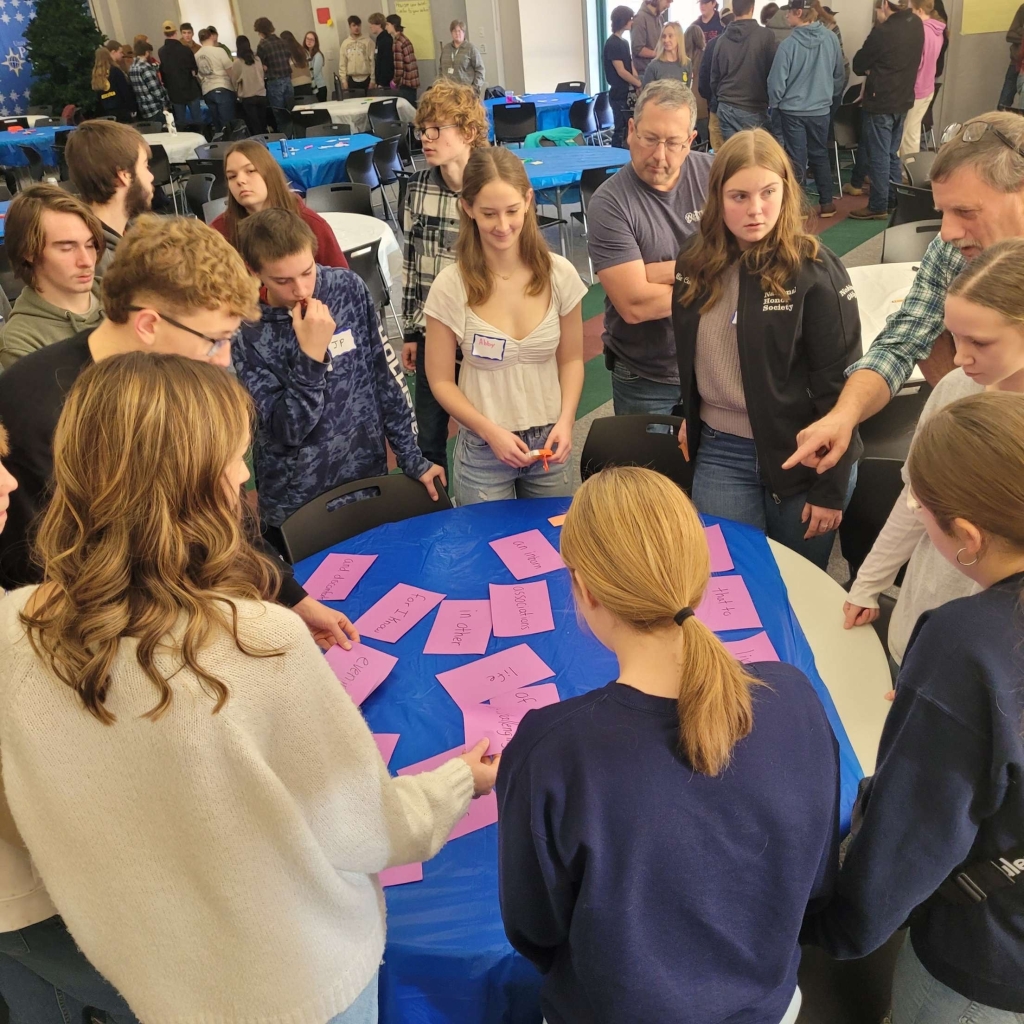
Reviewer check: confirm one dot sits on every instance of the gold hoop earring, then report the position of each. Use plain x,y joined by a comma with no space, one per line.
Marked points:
965,564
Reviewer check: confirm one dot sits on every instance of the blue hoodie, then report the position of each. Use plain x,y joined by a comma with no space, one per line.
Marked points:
808,72
324,424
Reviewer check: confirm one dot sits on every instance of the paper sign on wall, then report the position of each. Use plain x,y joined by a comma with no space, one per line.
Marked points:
417,26
396,613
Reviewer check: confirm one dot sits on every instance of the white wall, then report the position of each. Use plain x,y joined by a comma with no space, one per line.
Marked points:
483,25
553,32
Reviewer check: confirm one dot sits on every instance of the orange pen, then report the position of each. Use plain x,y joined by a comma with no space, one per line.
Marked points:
541,453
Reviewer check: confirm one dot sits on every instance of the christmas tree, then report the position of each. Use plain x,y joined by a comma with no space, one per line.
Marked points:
62,40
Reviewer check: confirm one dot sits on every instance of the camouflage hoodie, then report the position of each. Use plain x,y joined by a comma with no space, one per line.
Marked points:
324,424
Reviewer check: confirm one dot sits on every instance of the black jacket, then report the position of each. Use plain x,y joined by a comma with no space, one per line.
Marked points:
178,68
890,58
740,63
118,98
384,60
793,357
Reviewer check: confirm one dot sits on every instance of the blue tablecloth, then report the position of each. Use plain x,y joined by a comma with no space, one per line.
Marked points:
39,138
447,959
552,108
4,206
309,162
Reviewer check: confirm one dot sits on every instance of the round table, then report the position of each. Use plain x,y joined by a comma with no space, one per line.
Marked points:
179,147
447,959
355,111
41,139
552,108
355,229
317,161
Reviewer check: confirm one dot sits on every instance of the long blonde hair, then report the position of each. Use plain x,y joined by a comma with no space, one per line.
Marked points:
634,539
101,70
142,538
495,163
778,256
681,55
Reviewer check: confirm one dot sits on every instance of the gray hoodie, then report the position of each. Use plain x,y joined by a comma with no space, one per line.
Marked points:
35,323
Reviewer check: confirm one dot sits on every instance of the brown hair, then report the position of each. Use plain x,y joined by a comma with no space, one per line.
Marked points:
778,256
925,6
495,163
141,538
279,195
296,49
448,102
204,34
181,263
377,19
263,26
102,64
996,163
994,279
26,237
142,48
96,151
634,539
824,17
621,16
5,442
457,24
316,44
272,235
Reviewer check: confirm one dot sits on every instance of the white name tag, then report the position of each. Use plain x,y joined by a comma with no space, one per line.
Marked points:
485,347
735,317
341,343
451,71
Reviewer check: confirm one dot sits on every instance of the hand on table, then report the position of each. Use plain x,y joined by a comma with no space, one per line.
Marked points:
314,328
428,478
484,769
820,520
855,615
822,444
409,357
509,448
327,626
560,442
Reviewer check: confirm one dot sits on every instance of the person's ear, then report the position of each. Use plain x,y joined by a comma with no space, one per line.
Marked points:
583,595
968,536
466,209
124,179
528,198
145,326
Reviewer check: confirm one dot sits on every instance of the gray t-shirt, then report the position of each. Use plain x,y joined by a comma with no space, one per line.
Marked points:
628,220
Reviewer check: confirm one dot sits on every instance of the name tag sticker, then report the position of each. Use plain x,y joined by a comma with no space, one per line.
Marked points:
341,343
735,317
485,347
451,71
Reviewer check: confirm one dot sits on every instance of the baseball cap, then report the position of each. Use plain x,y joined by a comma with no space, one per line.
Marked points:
169,27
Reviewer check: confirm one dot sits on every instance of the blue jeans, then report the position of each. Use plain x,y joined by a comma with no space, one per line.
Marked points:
806,141
479,476
280,93
1009,89
735,119
727,483
363,1010
222,107
918,998
188,113
46,979
878,155
633,394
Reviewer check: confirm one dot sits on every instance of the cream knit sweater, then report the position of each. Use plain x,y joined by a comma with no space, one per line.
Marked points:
217,869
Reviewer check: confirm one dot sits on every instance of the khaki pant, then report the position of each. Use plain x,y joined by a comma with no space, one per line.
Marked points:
912,127
715,132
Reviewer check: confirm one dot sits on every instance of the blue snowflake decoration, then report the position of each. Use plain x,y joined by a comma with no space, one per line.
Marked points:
15,69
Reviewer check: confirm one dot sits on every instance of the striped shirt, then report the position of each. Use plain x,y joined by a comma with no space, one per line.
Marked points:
149,93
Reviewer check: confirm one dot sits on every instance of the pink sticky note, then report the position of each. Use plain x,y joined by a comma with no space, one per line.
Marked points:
755,648
521,609
557,520
396,613
527,554
727,605
401,874
360,670
461,627
386,743
336,576
487,677
499,720
721,560
483,811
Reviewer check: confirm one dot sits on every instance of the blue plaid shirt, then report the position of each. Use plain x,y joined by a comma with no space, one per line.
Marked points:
149,93
910,332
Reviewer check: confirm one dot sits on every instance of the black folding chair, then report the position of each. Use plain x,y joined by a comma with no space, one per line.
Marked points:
649,441
913,205
36,166
269,137
919,168
18,122
571,87
214,167
10,284
360,168
583,119
364,260
303,120
163,173
150,127
213,150
198,192
590,181
605,117
382,112
281,121
335,128
513,122
342,197
906,243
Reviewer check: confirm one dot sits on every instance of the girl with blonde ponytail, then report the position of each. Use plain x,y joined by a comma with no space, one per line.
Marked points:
660,838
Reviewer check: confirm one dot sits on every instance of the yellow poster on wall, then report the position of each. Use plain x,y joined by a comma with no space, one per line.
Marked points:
987,16
416,23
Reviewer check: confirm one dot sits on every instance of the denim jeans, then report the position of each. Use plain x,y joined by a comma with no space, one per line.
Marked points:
187,113
878,155
735,119
431,417
621,112
363,1010
222,107
46,979
727,483
918,998
1009,89
479,476
633,394
280,93
806,141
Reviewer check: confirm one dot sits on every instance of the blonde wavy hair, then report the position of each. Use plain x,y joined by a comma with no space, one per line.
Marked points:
450,103
777,257
682,57
101,70
634,539
142,538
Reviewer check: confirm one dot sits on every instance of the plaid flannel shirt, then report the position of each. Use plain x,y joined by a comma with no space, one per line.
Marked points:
276,57
407,70
150,95
910,332
431,227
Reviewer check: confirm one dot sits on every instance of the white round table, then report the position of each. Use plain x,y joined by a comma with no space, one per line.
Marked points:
355,229
354,111
179,147
851,662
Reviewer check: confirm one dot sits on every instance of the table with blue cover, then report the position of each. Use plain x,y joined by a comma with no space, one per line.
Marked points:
552,108
39,138
317,161
447,960
4,207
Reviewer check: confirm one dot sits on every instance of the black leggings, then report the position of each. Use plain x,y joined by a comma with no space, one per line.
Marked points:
254,110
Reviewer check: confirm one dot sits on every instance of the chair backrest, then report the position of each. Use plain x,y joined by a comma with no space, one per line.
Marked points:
383,110
581,117
197,192
514,121
213,209
35,161
364,260
845,126
5,192
317,131
571,87
150,127
637,441
337,92
359,167
386,161
603,111
591,180
919,168
303,120
17,122
10,284
374,501
236,131
159,166
879,485
44,122
213,151
342,197
913,205
907,242
281,121
269,137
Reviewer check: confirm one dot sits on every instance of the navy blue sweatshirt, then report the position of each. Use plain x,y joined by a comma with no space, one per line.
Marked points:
949,788
646,892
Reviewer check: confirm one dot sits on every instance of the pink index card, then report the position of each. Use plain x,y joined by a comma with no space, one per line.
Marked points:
336,576
483,811
521,609
527,554
487,677
360,670
557,520
499,720
755,648
396,613
386,743
727,605
461,627
721,560
401,874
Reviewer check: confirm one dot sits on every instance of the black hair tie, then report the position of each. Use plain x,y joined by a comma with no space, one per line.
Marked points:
682,615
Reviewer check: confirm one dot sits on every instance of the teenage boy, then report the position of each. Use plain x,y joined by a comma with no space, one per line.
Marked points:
355,59
215,78
178,70
327,384
407,71
216,40
451,122
276,57
742,59
384,55
188,37
53,241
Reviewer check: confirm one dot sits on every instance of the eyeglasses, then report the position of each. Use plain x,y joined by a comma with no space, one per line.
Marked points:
973,131
653,142
431,134
216,344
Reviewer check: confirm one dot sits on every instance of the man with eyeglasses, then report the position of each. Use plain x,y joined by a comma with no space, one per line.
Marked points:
978,186
637,222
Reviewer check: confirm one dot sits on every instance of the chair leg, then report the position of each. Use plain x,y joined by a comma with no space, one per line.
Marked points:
394,316
839,169
388,215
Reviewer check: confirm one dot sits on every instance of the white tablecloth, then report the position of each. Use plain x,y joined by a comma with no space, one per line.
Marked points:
34,119
354,229
880,292
353,111
179,147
